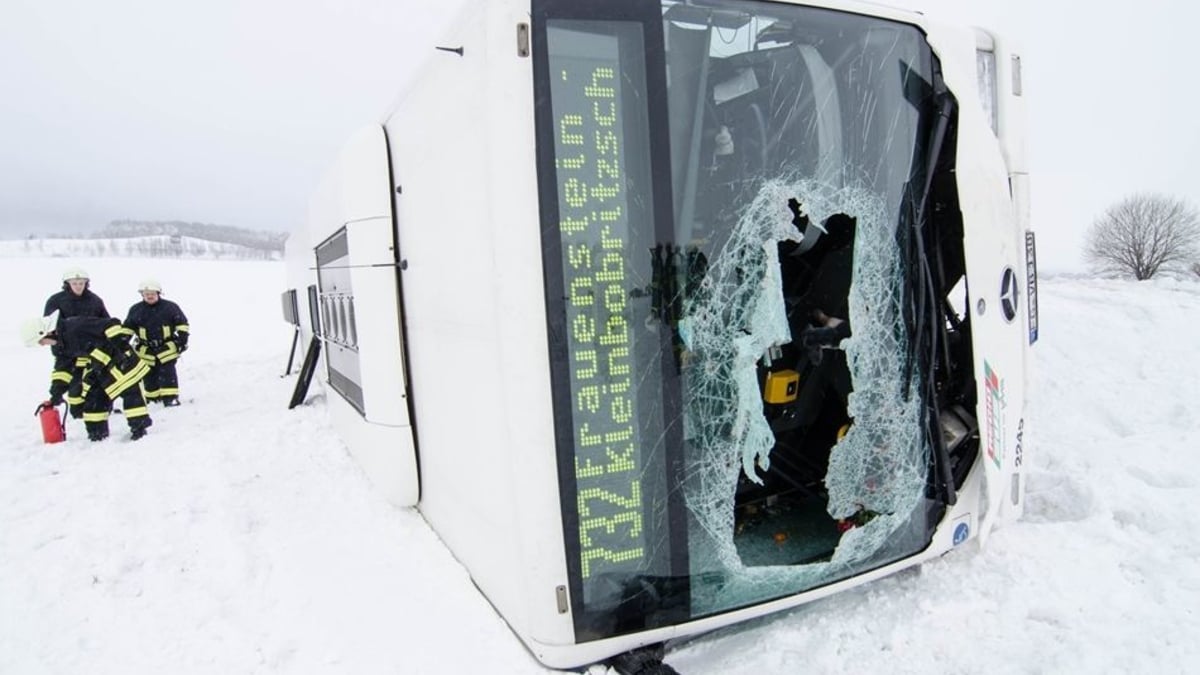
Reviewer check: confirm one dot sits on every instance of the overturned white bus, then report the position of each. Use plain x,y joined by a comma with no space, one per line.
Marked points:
669,314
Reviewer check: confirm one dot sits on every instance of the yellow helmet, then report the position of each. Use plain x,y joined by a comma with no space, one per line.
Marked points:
72,273
38,327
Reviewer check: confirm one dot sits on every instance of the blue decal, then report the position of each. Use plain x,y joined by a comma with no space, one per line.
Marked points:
1031,285
961,532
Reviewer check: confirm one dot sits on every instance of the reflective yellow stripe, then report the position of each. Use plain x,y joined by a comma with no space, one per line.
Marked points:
81,361
125,380
168,391
141,332
100,356
182,328
75,400
169,354
119,378
95,416
136,412
60,376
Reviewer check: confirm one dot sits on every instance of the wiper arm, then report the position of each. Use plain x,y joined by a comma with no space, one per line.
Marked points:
946,106
928,314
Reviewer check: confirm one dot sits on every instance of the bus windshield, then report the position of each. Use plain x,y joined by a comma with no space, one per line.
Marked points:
726,189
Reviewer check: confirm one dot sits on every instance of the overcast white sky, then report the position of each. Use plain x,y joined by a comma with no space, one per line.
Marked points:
227,111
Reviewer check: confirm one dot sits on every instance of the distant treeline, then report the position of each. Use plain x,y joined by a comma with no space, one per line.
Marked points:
271,242
148,246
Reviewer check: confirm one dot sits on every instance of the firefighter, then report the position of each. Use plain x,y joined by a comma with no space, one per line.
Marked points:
75,299
113,367
162,332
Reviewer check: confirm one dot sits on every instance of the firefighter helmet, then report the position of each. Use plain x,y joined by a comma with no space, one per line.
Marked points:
150,285
73,273
38,327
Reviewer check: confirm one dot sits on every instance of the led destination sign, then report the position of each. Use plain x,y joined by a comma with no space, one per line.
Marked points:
594,227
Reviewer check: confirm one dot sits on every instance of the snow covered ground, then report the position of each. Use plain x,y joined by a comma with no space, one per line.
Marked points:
239,537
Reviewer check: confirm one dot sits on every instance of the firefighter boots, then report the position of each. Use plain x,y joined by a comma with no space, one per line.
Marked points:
97,431
138,426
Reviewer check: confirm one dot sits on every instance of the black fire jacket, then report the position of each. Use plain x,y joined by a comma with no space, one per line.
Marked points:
68,305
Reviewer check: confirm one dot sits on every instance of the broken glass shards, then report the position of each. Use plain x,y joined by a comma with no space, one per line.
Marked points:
737,315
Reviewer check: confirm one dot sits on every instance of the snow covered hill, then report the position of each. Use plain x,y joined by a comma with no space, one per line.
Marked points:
239,537
152,246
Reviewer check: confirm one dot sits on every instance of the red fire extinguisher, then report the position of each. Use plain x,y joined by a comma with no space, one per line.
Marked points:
53,430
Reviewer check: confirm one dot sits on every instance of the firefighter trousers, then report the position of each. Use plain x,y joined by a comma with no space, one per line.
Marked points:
66,381
162,382
97,406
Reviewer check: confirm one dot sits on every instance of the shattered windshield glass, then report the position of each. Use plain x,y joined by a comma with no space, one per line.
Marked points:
725,192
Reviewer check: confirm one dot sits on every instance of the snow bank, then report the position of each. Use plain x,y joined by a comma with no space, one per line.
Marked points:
239,537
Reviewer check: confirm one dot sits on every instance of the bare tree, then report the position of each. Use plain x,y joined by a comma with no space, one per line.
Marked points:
1143,235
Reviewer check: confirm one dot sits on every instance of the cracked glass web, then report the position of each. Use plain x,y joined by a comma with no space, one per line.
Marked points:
737,315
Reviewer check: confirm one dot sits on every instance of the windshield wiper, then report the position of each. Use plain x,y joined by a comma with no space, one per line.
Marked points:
928,325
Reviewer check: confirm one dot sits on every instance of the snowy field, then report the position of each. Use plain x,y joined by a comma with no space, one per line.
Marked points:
239,537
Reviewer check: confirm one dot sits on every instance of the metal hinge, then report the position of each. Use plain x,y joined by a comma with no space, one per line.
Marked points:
523,40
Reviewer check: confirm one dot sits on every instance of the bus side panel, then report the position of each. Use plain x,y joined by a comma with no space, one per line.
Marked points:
351,213
994,248
452,226
1012,132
